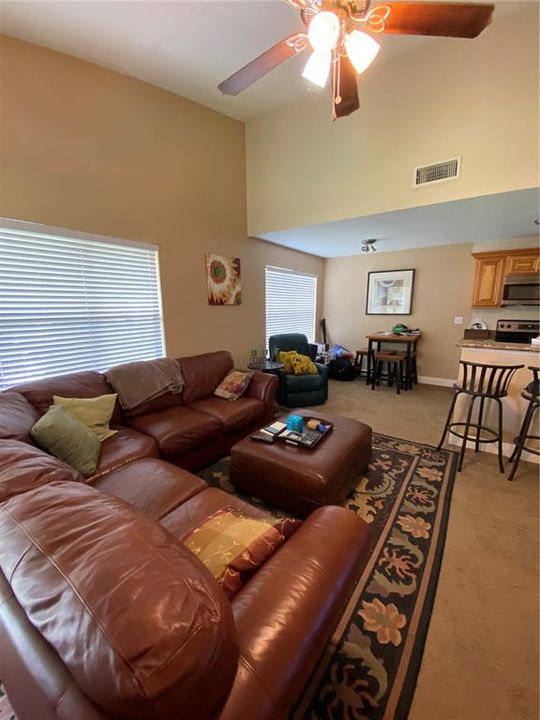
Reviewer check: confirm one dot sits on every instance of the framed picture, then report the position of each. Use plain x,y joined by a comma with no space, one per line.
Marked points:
223,280
390,292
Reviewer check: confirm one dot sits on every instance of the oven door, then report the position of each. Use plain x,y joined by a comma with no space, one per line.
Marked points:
521,290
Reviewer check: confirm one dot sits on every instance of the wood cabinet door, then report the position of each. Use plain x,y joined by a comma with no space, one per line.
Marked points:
488,280
522,263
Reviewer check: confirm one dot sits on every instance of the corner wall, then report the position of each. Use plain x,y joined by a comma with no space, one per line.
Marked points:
85,148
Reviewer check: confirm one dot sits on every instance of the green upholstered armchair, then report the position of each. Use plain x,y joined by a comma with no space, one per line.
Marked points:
299,390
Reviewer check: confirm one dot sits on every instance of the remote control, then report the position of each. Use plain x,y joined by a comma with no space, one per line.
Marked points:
262,437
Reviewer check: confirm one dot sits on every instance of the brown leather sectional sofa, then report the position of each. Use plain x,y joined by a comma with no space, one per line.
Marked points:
103,611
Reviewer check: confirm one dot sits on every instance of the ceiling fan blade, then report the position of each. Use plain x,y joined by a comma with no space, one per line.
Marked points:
460,20
347,89
262,65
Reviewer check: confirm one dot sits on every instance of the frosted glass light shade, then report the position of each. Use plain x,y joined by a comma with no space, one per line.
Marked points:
318,68
323,31
362,49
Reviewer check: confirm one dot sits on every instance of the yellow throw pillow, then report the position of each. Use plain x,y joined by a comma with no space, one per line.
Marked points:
286,358
302,365
94,412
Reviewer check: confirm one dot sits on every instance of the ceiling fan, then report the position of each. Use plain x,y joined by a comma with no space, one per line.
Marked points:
341,33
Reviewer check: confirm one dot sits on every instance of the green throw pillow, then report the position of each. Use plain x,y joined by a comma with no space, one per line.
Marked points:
95,412
68,439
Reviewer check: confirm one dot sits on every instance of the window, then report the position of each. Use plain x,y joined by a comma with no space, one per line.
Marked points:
291,299
71,301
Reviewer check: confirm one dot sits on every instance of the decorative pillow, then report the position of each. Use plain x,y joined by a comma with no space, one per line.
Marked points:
64,436
94,412
303,365
233,545
286,358
234,384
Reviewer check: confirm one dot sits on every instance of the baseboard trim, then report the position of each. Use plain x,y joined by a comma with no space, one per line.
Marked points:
492,448
443,382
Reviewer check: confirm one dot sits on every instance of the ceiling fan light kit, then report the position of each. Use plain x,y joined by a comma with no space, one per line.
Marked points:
340,33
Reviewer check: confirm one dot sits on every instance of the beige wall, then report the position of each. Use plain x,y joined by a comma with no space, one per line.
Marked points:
88,149
475,98
442,290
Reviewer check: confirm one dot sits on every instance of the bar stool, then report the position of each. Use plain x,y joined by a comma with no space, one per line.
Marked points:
396,361
359,359
483,382
532,394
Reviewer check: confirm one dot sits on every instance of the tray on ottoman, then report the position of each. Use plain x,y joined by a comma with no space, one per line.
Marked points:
298,481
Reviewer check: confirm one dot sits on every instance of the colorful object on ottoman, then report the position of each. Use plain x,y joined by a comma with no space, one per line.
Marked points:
233,545
223,280
234,384
295,423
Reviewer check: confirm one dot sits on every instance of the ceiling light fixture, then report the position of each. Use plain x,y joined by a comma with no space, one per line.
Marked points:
368,245
323,31
317,68
362,49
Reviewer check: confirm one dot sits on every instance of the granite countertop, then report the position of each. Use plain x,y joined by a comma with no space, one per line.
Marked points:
494,345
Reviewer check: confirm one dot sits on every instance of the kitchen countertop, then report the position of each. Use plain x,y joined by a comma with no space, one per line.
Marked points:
495,345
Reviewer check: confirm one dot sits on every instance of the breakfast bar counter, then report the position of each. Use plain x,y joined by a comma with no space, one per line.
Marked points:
501,346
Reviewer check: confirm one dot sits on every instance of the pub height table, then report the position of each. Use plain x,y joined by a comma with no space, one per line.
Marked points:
374,345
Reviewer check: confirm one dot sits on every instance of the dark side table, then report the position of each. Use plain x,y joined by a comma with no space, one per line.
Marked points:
266,366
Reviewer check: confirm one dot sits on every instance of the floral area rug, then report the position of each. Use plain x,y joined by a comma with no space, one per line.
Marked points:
370,666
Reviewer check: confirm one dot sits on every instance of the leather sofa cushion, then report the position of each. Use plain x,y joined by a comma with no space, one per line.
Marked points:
233,415
203,373
177,430
302,383
153,486
23,467
123,447
152,625
81,385
16,417
160,403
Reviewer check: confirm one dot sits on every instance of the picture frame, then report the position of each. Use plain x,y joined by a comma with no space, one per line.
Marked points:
390,292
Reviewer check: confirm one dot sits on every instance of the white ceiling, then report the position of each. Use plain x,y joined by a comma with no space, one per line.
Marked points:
185,47
474,220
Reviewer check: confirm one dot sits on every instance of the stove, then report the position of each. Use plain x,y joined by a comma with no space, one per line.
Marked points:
517,331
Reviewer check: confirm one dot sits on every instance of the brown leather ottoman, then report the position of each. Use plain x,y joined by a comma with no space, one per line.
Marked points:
300,480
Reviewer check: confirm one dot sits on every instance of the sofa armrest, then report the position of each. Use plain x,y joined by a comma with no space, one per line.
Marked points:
263,386
287,612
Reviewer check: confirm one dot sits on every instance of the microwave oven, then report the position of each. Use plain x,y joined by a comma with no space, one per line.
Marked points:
521,290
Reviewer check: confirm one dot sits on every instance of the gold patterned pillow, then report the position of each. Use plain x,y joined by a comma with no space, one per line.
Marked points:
233,545
286,358
302,365
234,384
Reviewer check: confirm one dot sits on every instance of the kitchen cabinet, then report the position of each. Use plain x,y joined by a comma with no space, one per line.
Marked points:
517,264
492,267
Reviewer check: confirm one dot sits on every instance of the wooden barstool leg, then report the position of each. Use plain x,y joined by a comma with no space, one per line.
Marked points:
374,373
478,430
466,431
399,370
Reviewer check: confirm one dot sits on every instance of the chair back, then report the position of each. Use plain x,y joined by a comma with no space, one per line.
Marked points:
484,379
288,341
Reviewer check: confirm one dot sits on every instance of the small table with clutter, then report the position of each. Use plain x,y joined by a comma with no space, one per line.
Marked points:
299,479
409,339
264,365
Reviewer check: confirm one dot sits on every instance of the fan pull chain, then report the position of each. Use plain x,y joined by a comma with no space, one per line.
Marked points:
336,84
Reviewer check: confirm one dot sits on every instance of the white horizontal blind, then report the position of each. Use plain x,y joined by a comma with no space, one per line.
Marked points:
70,304
291,300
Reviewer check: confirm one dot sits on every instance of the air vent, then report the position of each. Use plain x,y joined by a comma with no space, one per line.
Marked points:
440,172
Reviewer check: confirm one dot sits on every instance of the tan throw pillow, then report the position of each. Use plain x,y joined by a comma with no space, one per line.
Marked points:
233,546
234,384
66,438
94,412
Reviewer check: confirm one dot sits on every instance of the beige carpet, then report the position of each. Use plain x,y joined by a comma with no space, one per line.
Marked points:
481,656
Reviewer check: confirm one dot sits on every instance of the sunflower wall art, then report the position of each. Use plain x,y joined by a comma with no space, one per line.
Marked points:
223,280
